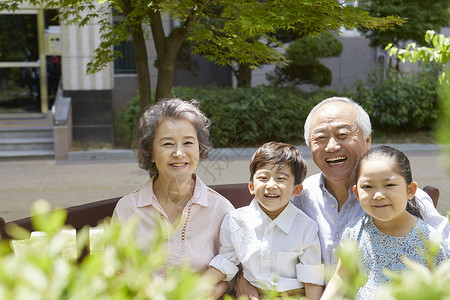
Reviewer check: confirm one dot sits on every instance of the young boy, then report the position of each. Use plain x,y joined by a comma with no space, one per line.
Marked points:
276,243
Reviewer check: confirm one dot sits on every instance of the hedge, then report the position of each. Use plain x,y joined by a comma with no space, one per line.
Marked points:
401,102
247,117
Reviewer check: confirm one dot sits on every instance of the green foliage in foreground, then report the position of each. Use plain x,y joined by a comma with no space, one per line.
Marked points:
443,127
118,269
419,282
247,117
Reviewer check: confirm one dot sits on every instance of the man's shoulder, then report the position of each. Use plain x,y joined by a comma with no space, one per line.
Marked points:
312,181
301,215
311,192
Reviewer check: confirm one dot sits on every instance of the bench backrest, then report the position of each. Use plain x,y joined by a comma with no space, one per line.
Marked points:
92,213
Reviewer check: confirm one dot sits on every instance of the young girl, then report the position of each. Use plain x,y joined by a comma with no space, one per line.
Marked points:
392,229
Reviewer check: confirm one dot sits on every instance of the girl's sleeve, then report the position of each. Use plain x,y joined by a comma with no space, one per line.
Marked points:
226,261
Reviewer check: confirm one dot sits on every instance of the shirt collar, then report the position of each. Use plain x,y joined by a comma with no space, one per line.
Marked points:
148,197
322,182
351,196
285,219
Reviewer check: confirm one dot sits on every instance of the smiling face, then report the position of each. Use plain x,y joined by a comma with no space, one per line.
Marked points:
383,191
273,187
175,148
337,141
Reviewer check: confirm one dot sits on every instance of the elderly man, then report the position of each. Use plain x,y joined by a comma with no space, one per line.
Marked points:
338,131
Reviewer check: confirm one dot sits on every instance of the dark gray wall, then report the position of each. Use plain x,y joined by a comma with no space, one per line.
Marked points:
92,116
125,88
357,59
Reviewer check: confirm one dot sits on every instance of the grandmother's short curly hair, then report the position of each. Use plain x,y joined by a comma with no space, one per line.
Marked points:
169,109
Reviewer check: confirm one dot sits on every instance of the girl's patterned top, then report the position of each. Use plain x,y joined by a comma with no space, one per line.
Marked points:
380,251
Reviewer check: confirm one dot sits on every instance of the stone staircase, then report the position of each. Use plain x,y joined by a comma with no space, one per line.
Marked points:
26,136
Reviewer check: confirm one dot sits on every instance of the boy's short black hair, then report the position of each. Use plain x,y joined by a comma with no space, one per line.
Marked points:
280,154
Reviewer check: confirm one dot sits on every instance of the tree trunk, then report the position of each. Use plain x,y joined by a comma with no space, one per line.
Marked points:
244,75
166,71
397,64
140,55
167,49
143,73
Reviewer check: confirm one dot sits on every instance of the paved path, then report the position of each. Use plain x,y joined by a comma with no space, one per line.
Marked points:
92,176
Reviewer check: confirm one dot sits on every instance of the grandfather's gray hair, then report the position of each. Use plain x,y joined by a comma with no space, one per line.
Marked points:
362,118
169,109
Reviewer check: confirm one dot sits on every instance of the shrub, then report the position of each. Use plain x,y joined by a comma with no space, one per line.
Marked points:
252,116
304,66
400,102
247,117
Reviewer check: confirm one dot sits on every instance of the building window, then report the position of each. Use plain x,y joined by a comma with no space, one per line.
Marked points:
350,32
125,64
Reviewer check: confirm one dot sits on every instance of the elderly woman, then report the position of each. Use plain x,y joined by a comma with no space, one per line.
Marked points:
172,137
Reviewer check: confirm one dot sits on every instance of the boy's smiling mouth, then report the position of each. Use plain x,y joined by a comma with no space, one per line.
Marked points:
335,161
272,196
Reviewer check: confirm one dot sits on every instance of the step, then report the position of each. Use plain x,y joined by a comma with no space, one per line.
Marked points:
26,132
23,116
26,136
23,144
27,155
25,123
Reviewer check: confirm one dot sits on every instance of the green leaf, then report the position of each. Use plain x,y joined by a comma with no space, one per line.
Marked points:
43,219
429,36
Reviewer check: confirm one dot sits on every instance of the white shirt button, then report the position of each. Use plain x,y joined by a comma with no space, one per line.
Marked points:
333,205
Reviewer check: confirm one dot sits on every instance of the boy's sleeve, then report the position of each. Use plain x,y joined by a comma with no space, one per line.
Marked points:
226,261
310,269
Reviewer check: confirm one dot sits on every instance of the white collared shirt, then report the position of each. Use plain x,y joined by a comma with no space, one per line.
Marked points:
279,254
195,240
321,206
